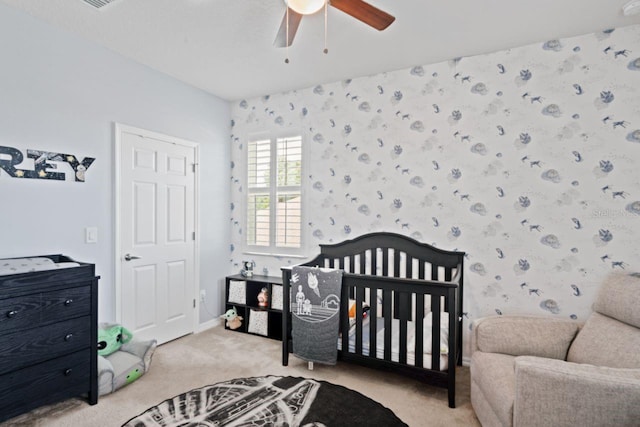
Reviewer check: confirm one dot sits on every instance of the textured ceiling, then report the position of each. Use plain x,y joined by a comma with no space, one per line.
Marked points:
225,47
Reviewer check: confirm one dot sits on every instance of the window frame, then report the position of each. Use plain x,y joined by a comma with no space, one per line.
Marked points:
272,249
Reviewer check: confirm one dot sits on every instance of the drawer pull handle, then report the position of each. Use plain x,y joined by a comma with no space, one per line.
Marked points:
12,313
68,337
68,302
67,372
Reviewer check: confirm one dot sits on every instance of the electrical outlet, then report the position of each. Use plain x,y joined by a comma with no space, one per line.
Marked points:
203,294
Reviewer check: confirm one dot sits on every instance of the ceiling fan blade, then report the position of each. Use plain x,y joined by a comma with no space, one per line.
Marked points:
364,12
294,22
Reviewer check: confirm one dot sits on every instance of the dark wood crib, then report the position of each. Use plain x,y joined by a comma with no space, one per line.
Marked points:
412,289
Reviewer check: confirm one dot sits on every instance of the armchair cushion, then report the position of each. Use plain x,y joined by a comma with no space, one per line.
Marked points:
604,341
525,335
574,394
619,298
611,336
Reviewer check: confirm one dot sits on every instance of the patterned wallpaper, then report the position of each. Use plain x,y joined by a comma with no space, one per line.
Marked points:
526,159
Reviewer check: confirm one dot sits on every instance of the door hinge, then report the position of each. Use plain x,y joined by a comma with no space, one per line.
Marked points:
193,235
193,167
194,303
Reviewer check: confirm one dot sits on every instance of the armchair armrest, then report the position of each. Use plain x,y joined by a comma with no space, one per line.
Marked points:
524,336
574,394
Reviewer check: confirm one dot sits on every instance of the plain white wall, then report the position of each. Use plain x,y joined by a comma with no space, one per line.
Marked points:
62,94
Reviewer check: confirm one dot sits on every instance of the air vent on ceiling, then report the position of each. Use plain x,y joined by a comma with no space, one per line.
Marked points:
99,3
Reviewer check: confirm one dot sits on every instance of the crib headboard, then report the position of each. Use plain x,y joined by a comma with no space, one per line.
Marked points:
392,255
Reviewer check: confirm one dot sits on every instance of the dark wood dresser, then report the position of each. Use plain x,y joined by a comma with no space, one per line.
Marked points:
48,337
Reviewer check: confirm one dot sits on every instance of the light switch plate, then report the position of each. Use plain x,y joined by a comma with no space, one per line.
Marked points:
91,235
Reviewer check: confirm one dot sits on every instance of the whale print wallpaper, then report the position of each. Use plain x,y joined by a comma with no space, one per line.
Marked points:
525,159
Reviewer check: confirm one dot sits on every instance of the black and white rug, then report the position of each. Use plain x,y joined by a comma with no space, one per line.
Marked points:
268,401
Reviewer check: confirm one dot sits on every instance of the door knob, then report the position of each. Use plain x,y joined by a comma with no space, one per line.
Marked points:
129,257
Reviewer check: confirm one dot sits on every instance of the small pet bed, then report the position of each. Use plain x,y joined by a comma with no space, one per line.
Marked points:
121,360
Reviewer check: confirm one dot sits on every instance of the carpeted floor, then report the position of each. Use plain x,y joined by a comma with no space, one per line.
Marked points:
218,355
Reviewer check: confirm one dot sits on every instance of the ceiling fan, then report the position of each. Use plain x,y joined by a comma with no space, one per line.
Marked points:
359,9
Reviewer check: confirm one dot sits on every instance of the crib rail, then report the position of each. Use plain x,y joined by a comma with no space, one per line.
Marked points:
405,300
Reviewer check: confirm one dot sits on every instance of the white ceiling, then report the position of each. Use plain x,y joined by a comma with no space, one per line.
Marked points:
225,47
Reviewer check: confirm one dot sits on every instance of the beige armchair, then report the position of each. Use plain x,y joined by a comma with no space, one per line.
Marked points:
534,371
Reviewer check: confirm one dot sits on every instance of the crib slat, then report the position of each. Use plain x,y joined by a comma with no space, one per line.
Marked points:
388,316
400,312
419,330
286,324
435,333
450,304
344,320
403,306
447,274
366,262
409,267
359,302
396,263
434,272
374,262
373,319
405,314
385,261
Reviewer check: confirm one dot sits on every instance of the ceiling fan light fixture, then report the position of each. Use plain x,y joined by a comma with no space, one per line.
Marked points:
305,7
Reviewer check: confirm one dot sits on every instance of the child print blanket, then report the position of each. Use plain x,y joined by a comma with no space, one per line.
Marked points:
315,308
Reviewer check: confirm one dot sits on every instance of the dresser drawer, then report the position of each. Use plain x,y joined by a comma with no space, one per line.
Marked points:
65,304
19,313
21,349
45,379
30,311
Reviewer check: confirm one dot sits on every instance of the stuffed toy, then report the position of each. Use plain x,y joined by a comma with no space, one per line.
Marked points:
233,320
124,366
352,312
111,337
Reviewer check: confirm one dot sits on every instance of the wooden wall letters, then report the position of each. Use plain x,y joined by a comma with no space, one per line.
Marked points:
42,167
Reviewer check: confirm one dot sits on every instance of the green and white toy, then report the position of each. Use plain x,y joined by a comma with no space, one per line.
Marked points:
121,360
111,337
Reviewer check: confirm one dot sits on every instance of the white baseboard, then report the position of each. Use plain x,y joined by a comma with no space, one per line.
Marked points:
208,325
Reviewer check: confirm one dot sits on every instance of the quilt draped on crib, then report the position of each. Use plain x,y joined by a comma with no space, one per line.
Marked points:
315,308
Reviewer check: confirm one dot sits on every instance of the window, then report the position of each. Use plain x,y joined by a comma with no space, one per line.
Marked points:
274,195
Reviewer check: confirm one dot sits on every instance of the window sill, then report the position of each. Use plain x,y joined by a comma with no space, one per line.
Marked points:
275,255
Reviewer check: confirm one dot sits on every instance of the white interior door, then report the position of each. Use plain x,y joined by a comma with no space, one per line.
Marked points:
157,235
